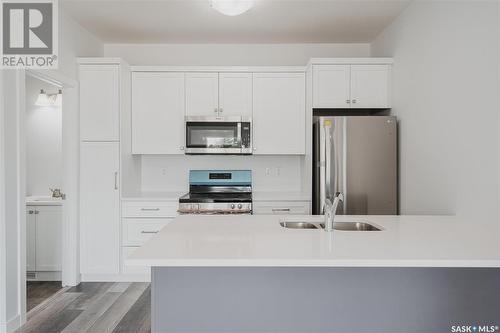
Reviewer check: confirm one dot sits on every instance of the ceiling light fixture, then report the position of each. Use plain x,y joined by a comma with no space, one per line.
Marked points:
231,7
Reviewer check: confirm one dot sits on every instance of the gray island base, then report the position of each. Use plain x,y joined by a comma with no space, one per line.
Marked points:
287,299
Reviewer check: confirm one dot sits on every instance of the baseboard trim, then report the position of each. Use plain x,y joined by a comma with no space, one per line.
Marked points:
12,325
115,278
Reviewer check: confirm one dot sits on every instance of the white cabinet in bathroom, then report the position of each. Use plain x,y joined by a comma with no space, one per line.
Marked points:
351,86
43,238
158,108
279,113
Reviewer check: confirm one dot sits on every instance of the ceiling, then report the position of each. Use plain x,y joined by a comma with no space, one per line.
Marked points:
269,21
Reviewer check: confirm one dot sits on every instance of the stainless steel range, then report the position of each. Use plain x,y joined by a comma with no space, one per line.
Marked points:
218,192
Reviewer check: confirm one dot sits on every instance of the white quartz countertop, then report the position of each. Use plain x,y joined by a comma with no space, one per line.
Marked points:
153,196
280,196
40,200
259,240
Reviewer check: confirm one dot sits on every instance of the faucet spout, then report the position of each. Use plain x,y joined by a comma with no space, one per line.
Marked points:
331,210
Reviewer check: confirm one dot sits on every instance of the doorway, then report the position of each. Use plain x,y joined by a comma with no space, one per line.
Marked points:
50,146
44,196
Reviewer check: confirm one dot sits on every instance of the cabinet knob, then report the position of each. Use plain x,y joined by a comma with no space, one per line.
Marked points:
216,110
254,148
354,101
181,147
348,101
36,212
30,212
221,110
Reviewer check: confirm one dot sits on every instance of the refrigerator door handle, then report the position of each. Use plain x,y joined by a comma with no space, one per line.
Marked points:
329,163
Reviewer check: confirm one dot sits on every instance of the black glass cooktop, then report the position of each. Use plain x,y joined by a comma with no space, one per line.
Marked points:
216,197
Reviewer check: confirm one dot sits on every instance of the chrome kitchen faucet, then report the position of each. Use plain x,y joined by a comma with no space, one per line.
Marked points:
331,210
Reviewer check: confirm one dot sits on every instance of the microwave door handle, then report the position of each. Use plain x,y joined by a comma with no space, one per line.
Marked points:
238,138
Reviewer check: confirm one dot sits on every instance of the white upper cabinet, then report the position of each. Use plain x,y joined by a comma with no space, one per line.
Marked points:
202,94
100,208
363,86
99,103
235,94
158,108
331,86
370,86
279,113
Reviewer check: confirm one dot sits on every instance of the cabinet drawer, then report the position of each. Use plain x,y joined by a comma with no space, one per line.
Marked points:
149,209
137,231
281,208
126,269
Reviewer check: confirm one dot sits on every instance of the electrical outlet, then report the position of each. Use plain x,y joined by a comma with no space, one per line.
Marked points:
268,171
163,171
278,171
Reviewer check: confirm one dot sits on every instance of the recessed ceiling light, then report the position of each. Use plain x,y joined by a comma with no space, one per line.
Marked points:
231,7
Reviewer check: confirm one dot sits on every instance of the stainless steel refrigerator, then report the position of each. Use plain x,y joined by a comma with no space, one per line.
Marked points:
357,156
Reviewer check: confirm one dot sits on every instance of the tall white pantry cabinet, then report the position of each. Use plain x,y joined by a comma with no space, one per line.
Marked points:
100,103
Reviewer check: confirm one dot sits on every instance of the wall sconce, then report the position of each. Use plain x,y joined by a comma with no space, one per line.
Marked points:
45,99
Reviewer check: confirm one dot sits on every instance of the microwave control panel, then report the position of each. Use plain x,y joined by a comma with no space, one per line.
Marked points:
245,135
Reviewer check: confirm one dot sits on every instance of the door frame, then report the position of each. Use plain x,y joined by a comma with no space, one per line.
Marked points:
70,178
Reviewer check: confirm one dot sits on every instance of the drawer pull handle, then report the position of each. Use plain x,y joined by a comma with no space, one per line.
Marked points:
281,209
150,209
149,232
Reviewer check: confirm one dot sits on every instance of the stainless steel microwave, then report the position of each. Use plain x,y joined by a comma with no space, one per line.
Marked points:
219,135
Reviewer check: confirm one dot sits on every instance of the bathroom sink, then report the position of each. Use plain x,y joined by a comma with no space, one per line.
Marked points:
298,225
353,226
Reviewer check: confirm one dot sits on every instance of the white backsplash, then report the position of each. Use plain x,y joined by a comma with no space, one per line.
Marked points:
270,173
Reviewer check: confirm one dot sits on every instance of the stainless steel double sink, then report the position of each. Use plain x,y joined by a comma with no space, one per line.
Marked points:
343,226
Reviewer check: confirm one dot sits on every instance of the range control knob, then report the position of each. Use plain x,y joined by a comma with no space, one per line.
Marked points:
240,206
232,206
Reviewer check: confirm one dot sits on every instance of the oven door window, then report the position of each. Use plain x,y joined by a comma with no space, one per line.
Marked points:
212,135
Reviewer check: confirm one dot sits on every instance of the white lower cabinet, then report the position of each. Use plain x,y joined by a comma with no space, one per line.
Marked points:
43,238
137,231
100,208
141,220
132,270
281,207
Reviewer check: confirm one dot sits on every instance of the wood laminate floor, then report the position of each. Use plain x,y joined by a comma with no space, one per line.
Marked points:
94,307
39,291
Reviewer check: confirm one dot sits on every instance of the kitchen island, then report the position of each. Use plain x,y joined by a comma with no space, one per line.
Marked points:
250,274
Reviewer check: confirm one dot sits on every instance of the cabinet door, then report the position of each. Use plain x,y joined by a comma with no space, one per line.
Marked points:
99,103
157,113
331,86
279,113
235,94
48,238
30,239
202,94
281,208
370,86
100,208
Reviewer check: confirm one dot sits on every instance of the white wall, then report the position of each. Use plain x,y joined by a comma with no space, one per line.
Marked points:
73,41
43,141
170,173
231,54
446,95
